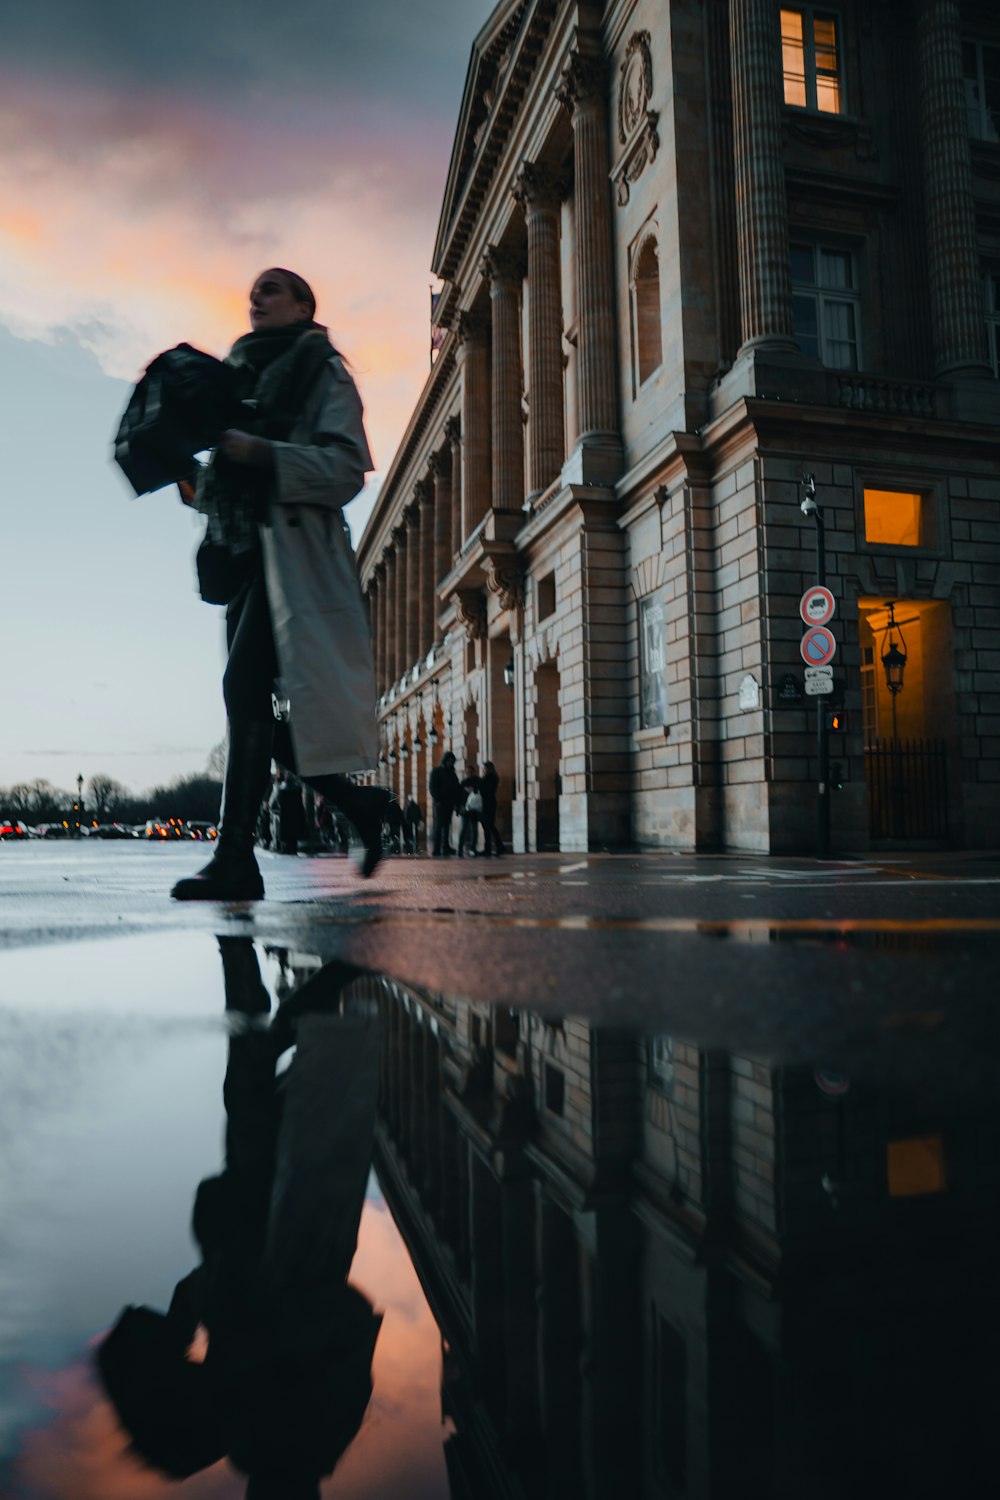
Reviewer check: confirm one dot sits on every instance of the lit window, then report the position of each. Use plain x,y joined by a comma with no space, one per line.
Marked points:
652,662
826,305
916,1167
993,318
894,518
810,60
646,311
981,67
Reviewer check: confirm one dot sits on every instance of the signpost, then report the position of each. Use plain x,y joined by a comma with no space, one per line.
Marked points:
819,682
818,648
817,605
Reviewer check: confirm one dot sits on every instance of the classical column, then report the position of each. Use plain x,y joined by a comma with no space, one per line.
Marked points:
453,432
761,204
583,90
412,586
389,619
424,490
504,272
400,603
376,594
538,190
953,262
441,465
474,362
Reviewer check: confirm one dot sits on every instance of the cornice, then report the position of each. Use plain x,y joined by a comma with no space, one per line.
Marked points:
474,163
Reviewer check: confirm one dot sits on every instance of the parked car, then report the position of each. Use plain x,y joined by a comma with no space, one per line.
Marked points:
10,828
201,830
113,831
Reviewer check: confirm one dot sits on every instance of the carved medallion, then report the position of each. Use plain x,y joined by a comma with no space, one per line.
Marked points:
636,121
635,87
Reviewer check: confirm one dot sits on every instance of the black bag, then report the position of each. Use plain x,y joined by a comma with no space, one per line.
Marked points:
221,572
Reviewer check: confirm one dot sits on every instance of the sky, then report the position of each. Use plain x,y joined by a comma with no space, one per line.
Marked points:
153,159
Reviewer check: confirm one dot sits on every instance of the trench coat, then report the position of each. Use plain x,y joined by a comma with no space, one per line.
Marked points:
322,632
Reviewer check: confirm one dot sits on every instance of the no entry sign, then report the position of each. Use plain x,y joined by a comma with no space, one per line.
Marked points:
818,646
817,605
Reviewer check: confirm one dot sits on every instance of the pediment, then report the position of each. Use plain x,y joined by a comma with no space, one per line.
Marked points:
492,55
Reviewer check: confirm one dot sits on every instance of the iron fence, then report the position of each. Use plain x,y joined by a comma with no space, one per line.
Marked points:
907,789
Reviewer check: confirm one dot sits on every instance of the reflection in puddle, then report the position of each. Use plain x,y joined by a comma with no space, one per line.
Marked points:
606,1262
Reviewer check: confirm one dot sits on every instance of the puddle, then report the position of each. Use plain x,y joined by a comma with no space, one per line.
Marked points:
265,1216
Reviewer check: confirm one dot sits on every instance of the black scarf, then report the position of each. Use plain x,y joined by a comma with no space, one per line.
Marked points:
276,369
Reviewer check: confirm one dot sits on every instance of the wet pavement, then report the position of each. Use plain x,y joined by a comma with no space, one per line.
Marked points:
541,1177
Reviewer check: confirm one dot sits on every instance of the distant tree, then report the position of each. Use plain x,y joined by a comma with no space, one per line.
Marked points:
189,797
215,766
16,800
105,797
47,803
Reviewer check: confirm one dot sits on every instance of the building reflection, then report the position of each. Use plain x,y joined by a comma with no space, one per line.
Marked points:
662,1270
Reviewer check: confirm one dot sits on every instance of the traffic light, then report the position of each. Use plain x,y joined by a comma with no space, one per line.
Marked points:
836,721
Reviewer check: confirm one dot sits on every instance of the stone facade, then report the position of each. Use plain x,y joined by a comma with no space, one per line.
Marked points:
671,291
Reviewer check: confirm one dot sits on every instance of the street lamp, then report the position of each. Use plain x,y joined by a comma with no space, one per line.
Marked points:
894,663
893,656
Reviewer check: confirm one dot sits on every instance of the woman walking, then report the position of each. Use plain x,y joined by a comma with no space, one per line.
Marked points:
278,553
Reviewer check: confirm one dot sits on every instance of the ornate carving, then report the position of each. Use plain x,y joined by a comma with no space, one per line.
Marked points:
830,132
499,265
583,81
453,430
470,607
440,462
635,87
424,492
637,158
538,187
412,517
506,580
470,326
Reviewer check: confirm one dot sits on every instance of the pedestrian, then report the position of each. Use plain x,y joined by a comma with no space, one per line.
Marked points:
489,783
278,553
412,819
394,826
446,794
472,808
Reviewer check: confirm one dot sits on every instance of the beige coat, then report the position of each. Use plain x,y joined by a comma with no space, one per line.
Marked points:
322,633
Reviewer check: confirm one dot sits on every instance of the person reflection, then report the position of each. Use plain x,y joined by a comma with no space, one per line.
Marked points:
264,1355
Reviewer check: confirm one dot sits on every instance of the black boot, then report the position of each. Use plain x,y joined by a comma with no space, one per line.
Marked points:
232,874
364,806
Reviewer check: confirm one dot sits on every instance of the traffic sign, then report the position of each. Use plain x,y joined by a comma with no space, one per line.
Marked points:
817,646
819,687
817,672
833,1085
817,605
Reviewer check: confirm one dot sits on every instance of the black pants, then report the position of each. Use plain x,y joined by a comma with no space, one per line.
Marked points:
248,681
488,818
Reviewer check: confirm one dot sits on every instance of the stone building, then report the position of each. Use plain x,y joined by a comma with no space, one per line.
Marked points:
690,251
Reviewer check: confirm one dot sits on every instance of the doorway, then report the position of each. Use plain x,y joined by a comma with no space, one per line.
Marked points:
908,717
548,756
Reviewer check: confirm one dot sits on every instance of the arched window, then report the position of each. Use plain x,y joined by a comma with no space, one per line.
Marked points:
646,310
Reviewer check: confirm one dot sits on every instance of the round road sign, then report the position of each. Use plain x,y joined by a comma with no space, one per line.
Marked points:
833,1085
817,605
818,646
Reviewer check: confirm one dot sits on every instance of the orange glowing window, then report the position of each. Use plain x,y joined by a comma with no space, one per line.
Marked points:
810,62
915,1167
894,518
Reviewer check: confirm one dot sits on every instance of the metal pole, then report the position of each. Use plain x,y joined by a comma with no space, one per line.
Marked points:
822,737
